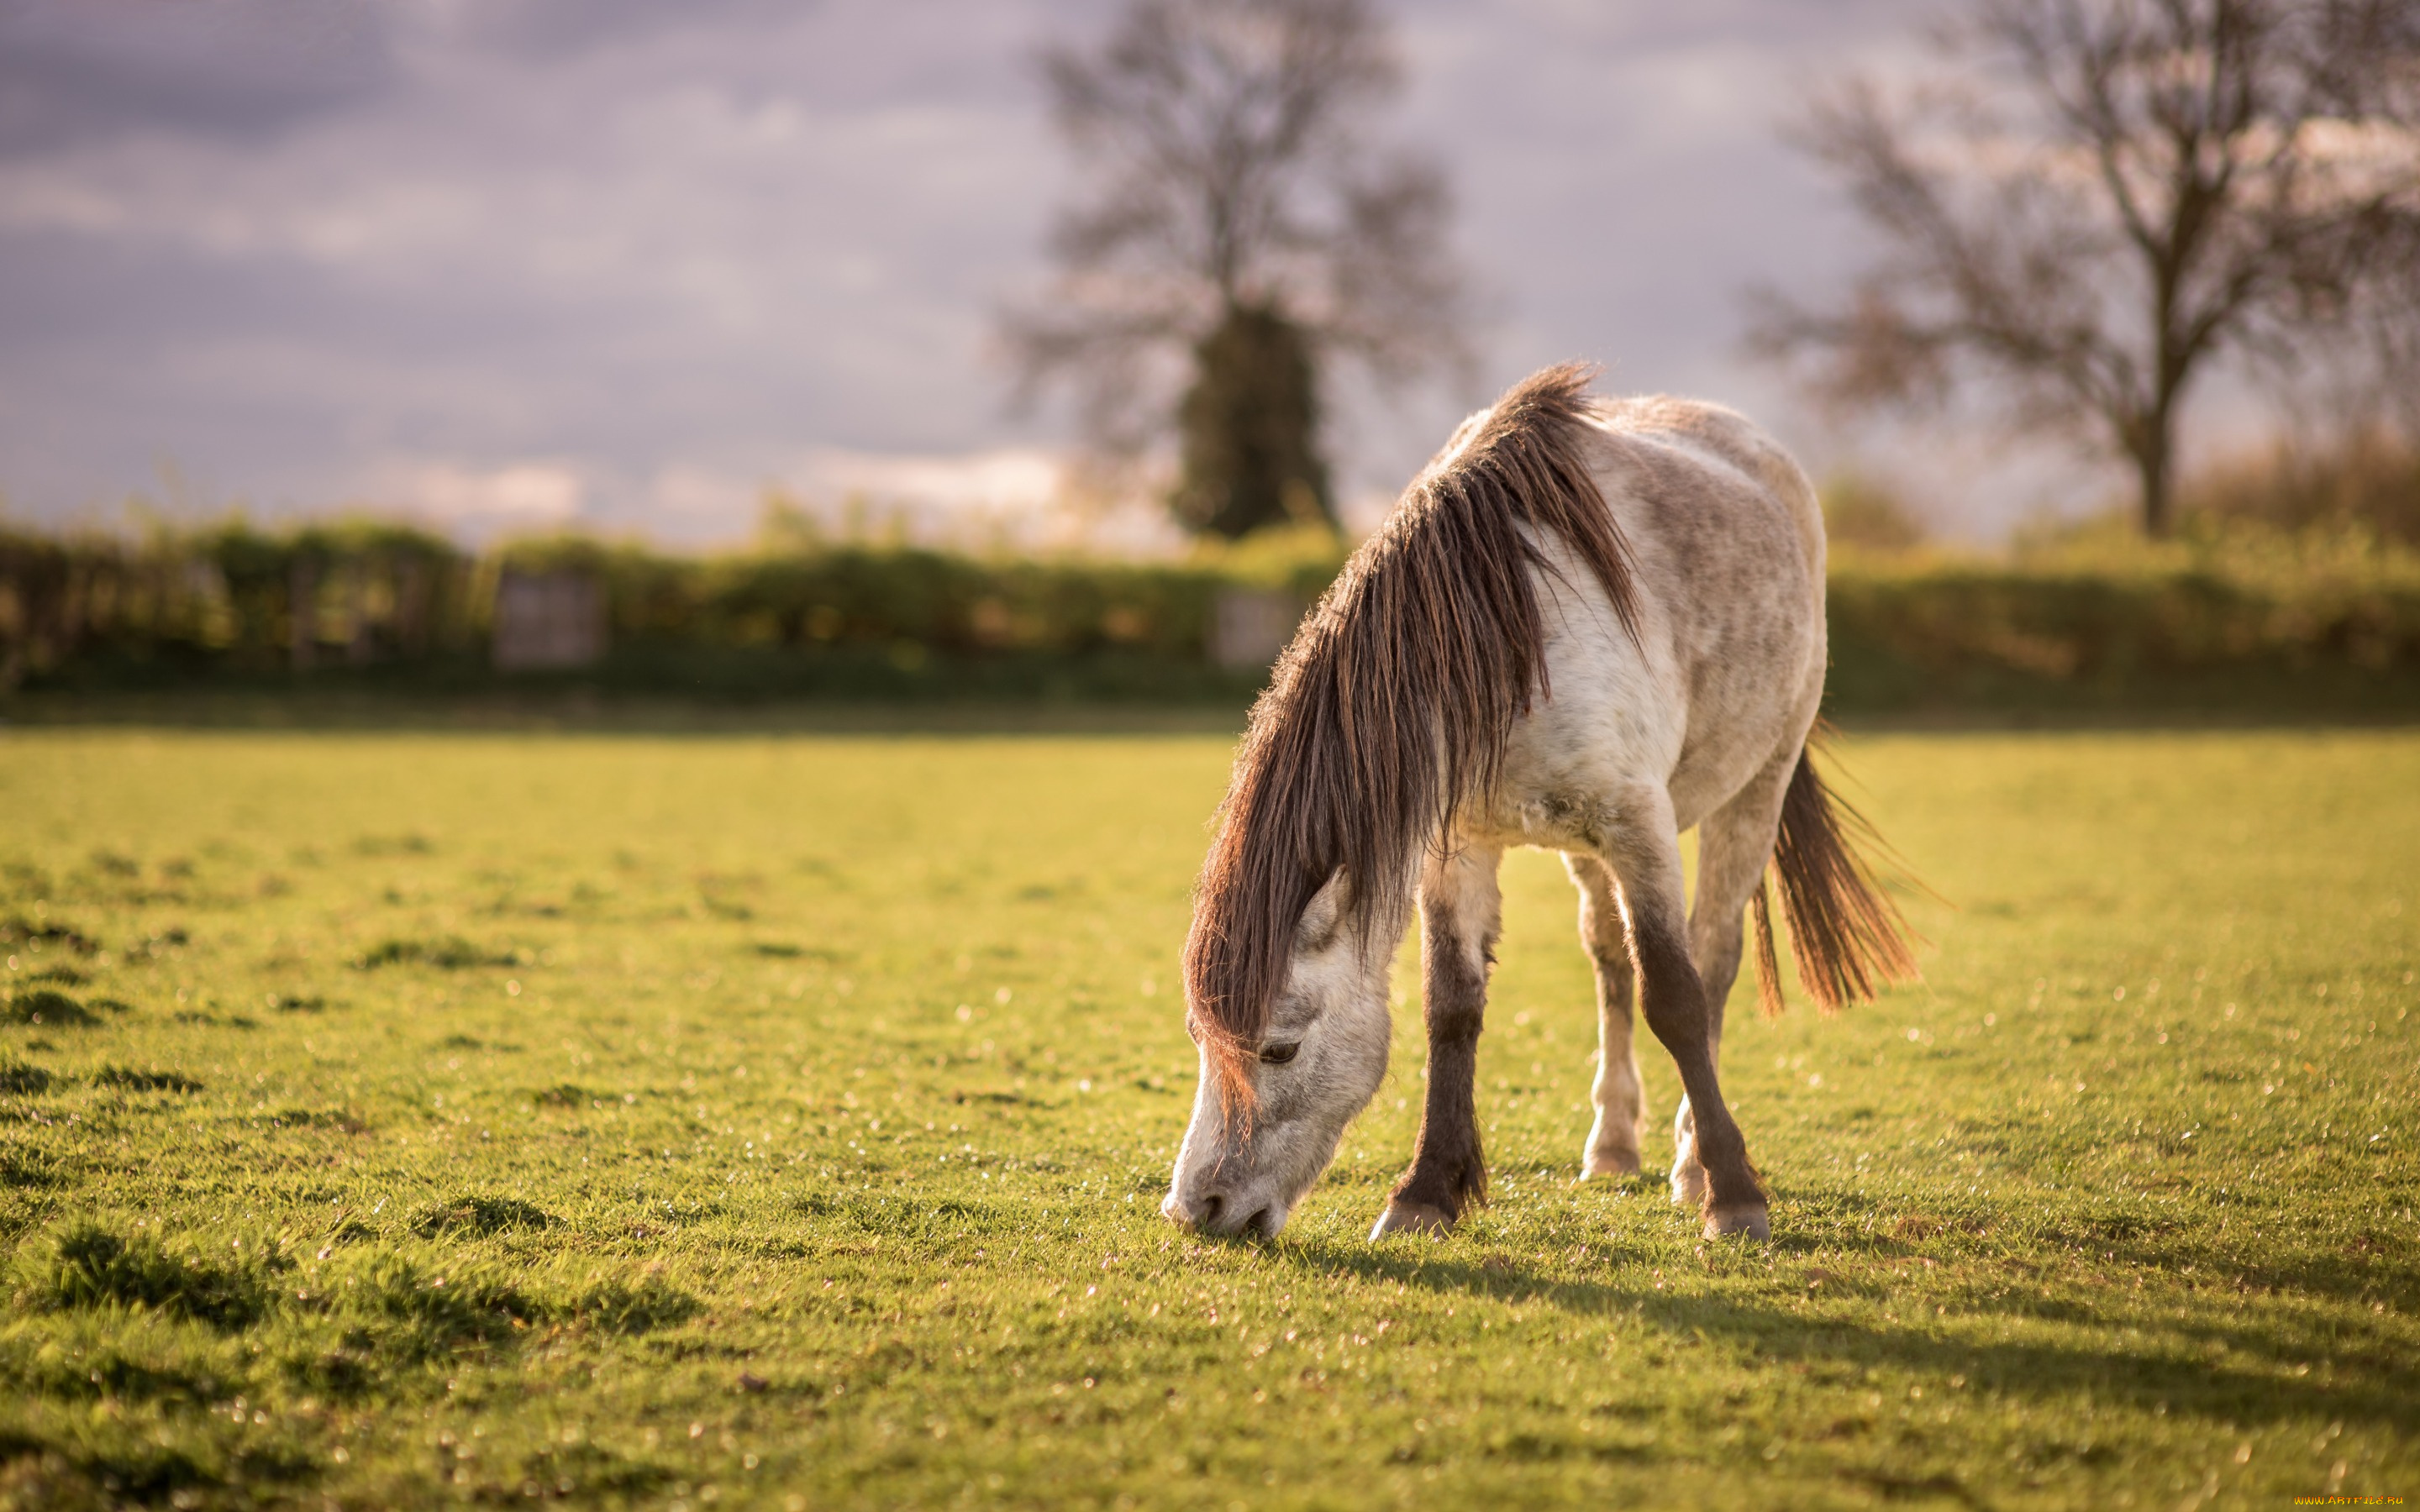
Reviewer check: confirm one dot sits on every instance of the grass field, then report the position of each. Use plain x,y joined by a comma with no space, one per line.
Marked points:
392,1121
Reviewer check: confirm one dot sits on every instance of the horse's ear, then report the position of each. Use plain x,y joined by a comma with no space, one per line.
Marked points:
1319,921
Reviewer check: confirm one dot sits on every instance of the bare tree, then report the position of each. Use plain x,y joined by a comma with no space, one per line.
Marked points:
1239,230
2100,199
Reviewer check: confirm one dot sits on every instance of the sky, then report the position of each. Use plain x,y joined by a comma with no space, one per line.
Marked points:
514,265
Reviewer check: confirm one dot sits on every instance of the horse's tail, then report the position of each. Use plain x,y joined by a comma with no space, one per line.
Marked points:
1847,937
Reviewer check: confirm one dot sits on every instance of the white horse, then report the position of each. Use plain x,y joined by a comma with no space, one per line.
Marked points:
1589,625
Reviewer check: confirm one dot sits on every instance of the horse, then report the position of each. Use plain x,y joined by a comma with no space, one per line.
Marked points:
1587,626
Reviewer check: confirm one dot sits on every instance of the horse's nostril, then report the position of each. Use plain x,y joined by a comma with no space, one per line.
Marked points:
1257,1224
1207,1214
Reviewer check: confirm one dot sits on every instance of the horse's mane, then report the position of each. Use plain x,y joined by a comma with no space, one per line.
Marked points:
1391,707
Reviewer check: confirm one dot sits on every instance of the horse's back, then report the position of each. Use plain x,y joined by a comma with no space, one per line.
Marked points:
1722,436
1726,539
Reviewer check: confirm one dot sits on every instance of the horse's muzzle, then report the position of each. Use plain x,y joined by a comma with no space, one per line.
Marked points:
1218,1213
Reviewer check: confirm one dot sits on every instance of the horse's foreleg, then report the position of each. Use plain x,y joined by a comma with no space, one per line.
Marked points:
1460,912
1620,1100
1645,855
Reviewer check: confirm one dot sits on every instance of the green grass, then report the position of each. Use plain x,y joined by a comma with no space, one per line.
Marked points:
392,1119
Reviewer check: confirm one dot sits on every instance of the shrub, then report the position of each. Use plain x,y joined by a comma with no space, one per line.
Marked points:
2225,614
1862,514
2370,479
2235,610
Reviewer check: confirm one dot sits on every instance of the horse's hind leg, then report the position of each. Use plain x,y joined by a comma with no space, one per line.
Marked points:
1734,842
1621,1104
1644,855
1461,914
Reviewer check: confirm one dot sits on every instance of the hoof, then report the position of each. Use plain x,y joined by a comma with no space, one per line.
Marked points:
1746,1218
1618,1163
1688,1185
1402,1217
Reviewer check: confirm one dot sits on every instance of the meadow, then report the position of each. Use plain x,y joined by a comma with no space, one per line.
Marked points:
394,1120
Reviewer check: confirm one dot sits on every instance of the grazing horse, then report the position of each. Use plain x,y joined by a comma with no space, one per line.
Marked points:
1588,626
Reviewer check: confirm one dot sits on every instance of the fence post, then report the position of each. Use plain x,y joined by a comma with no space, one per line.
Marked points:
547,621
1249,626
302,610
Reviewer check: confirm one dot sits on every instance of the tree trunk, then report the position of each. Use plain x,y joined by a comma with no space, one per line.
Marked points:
2150,440
1249,427
2158,492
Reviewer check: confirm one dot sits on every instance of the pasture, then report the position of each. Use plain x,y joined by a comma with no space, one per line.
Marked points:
781,1122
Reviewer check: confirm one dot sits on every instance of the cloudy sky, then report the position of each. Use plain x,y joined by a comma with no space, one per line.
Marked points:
512,263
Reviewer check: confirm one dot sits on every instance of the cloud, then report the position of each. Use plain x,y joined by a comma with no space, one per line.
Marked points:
72,71
1020,498
1028,498
1012,479
475,504
1025,498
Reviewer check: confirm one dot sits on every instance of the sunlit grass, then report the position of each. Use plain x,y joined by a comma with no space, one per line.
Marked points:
395,1119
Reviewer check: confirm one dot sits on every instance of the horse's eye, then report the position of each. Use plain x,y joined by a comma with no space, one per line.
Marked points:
1278,1054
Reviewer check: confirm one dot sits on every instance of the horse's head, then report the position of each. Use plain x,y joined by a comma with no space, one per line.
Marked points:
1247,1160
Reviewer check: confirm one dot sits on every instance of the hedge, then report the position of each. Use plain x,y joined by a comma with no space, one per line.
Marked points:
2263,617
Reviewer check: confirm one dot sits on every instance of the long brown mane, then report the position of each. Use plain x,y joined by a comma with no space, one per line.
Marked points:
1393,706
